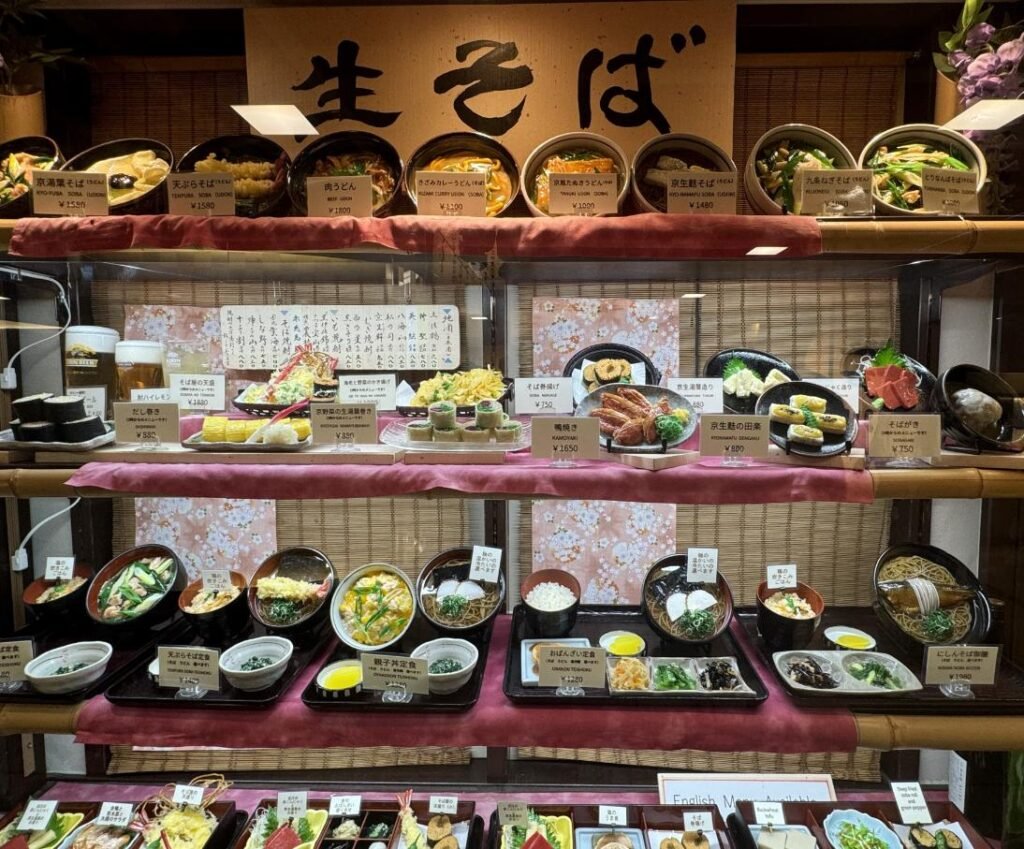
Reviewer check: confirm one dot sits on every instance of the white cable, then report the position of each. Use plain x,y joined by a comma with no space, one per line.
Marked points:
19,560
61,299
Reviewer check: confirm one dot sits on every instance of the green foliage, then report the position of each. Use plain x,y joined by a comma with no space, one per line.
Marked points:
21,42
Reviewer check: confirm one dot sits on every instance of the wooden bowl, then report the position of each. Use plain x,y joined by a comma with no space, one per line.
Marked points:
66,610
551,623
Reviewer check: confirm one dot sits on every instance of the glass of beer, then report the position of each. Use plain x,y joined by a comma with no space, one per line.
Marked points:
140,365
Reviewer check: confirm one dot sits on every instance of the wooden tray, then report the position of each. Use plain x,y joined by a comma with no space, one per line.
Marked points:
595,620
373,811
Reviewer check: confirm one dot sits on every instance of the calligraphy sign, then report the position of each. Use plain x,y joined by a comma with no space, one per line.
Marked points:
521,72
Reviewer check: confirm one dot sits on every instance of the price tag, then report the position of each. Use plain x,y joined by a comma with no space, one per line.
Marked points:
847,388
975,665
69,193
198,391
841,191
331,197
189,666
216,580
13,657
957,780
137,421
59,568
201,194
376,389
117,814
611,815
583,194
571,666
333,424
291,805
444,804
911,802
445,193
734,437
513,814
187,794
698,821
704,393
546,395
701,565
95,399
949,191
904,437
781,576
565,438
37,815
701,192
485,565
160,394
387,671
346,806
769,813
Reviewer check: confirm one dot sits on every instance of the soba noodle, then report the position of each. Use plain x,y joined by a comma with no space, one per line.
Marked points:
914,566
676,629
475,611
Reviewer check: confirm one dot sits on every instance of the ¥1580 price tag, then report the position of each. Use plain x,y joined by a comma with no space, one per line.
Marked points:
346,806
698,821
565,438
615,815
37,815
117,814
59,568
201,194
444,804
513,814
485,565
701,565
291,805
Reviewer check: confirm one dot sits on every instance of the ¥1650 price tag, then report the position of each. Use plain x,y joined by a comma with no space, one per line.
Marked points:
117,814
565,438
781,576
59,568
769,813
291,805
346,806
186,794
615,815
513,814
486,564
701,565
444,804
37,815
698,821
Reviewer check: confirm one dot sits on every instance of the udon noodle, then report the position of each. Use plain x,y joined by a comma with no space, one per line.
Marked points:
498,183
915,566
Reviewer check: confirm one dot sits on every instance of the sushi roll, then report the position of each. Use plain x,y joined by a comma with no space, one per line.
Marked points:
82,430
805,435
447,434
489,414
419,431
63,408
39,432
475,433
442,414
16,429
921,838
786,414
830,423
811,402
30,408
510,431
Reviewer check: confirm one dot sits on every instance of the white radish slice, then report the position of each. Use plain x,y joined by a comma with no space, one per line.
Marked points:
700,600
675,605
446,588
470,590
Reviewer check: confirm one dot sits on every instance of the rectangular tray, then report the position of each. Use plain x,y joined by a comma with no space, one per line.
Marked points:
139,690
419,632
195,442
1006,697
593,621
131,649
848,685
375,811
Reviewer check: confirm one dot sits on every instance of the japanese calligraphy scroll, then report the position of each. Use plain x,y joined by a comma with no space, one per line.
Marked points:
521,73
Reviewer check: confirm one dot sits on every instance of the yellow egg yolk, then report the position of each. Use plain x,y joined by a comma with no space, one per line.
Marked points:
343,678
852,641
625,644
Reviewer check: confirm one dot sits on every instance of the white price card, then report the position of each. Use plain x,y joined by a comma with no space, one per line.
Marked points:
394,671
291,805
734,437
698,821
571,666
701,565
189,666
376,389
201,194
911,802
160,395
335,424
704,393
949,191
583,194
513,814
346,806
198,391
769,813
485,564
847,388
95,399
444,804
543,395
974,665
895,436
117,814
781,576
565,438
701,192
13,657
332,197
59,568
187,794
37,815
216,580
957,780
143,422
836,191
451,193
614,815
69,193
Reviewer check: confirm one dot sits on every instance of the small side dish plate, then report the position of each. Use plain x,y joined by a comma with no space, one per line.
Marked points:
8,442
837,663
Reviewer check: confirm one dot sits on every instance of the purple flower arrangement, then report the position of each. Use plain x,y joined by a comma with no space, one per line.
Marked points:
987,63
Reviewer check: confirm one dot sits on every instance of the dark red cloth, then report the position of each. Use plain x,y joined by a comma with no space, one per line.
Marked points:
775,725
648,236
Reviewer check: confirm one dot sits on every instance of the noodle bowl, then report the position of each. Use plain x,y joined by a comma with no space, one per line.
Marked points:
909,567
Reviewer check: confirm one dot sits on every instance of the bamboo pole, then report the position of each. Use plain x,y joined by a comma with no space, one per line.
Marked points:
39,718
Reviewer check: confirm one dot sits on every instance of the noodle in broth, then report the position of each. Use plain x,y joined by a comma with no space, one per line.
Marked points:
657,607
498,184
914,566
475,611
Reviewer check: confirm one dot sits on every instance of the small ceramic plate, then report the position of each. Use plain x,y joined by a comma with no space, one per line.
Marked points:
608,638
836,632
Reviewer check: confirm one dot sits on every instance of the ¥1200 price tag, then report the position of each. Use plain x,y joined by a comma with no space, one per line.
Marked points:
291,805
216,580
571,666
781,576
704,393
583,194
614,815
701,565
346,806
37,815
485,565
59,568
513,814
444,804
550,396
117,814
769,813
698,821
911,802
187,794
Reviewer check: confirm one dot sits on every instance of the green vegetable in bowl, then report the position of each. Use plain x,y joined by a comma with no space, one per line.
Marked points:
444,666
938,626
777,164
672,676
898,172
697,624
854,835
875,674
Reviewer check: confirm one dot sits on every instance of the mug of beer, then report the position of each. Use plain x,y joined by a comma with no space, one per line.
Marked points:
140,365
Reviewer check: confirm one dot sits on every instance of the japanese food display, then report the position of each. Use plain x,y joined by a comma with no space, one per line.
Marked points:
674,675
842,673
980,412
284,601
810,672
790,838
221,429
164,824
268,832
629,416
924,600
383,180
936,836
605,371
377,608
556,830
807,419
449,599
16,174
578,161
627,674
890,382
655,174
742,381
131,176
136,588
874,673
59,589
307,374
777,163
207,601
550,596
498,183
688,612
94,836
790,604
462,388
857,830
50,837
254,179
898,171
719,675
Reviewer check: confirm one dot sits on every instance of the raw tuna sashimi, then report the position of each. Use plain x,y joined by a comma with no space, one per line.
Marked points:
906,388
877,376
890,397
284,838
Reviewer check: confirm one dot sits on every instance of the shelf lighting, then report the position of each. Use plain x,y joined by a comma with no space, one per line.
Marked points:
766,250
695,295
270,120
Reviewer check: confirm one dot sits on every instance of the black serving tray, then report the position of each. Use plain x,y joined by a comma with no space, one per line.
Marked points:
419,632
1005,697
595,620
139,690
131,649
376,811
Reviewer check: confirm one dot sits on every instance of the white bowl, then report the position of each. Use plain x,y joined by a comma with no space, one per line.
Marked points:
836,631
278,648
336,621
461,650
607,638
40,672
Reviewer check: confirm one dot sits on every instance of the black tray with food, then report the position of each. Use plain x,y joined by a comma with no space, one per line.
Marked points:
130,650
808,420
382,821
610,363
890,381
1005,697
747,373
422,410
723,660
139,688
228,819
67,817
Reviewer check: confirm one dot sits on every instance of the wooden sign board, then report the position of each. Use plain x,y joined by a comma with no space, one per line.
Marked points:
520,73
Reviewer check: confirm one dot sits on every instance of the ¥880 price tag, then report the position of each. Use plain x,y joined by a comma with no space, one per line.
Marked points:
701,565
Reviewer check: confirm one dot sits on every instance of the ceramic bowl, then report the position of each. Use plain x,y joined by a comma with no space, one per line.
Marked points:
550,623
21,206
667,578
453,564
342,630
279,649
225,621
161,611
1005,435
247,148
302,564
782,633
41,672
348,692
66,610
152,202
565,142
693,150
443,683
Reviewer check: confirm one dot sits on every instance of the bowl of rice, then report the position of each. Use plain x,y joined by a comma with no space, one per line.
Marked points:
551,600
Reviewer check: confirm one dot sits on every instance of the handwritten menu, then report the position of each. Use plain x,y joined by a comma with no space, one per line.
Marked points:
385,337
